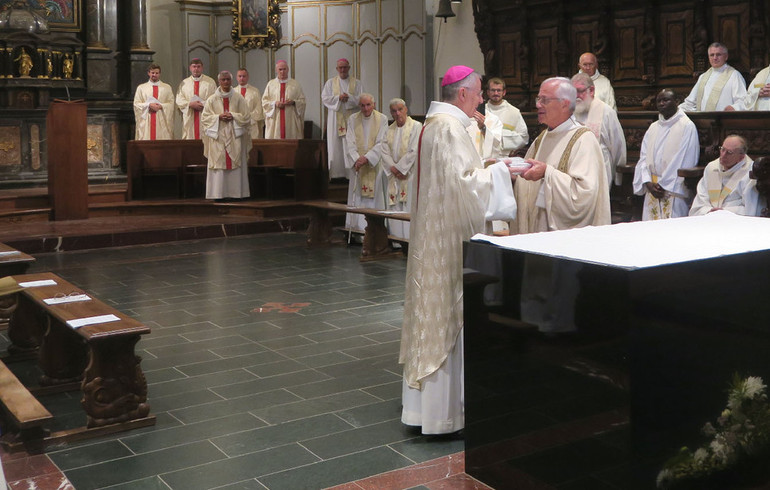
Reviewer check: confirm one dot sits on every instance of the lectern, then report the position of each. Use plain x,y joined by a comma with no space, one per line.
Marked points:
67,160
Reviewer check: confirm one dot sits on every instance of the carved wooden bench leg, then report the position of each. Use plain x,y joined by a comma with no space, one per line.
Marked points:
319,230
376,243
114,386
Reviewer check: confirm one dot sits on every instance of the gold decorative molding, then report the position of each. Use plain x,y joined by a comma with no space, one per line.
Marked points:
95,143
10,145
256,23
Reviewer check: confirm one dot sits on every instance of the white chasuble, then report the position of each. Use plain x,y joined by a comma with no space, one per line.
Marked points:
573,197
226,145
291,118
158,125
193,90
453,199
254,100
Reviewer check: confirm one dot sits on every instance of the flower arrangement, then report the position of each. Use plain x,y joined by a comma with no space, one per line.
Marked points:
741,432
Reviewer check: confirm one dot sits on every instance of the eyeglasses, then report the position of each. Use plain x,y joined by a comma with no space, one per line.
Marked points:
544,100
722,149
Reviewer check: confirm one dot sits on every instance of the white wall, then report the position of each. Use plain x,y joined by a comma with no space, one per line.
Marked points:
396,47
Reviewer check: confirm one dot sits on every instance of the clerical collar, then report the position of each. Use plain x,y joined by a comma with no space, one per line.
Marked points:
196,79
283,81
565,126
223,94
596,74
721,68
155,84
666,122
437,107
734,167
243,86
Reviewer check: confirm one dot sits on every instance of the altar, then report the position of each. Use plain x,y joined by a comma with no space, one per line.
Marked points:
667,312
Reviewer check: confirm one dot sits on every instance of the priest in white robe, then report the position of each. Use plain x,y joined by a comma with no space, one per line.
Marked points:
725,180
190,97
718,87
757,94
340,97
284,104
589,65
254,99
514,133
399,152
366,131
603,122
225,119
154,108
565,188
455,198
669,144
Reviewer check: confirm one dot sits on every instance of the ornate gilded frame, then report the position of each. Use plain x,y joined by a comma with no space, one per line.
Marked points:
256,23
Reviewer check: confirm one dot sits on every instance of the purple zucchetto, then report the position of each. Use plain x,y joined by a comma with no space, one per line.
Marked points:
455,74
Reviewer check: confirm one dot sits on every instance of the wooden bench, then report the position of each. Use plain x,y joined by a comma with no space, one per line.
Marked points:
98,357
28,415
12,262
377,242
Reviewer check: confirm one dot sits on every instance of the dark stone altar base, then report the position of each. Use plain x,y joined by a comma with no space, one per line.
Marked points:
606,406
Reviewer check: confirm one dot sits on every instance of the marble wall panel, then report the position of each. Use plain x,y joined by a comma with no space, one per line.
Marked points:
10,146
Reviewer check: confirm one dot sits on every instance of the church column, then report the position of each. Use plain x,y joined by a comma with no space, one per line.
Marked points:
141,54
99,56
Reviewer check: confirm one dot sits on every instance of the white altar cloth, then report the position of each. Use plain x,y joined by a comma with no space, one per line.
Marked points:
643,244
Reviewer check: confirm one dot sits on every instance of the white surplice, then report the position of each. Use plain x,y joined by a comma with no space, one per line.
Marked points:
724,189
336,119
603,121
715,91
164,119
399,149
186,94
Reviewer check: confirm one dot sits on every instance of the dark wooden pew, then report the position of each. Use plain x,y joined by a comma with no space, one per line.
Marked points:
12,262
97,357
278,169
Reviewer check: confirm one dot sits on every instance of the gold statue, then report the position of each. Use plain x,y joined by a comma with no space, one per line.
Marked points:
67,69
25,63
49,66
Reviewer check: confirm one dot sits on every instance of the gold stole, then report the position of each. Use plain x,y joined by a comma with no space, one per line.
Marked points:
342,114
564,160
718,192
397,188
367,175
662,208
716,91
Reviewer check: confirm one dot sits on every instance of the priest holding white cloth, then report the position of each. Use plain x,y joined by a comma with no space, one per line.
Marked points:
455,198
225,120
154,108
340,97
190,97
669,144
725,180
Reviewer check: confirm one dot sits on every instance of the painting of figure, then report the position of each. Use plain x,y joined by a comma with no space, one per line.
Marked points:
253,18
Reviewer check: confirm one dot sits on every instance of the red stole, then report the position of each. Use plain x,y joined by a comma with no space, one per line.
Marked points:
228,160
243,92
153,115
197,114
283,112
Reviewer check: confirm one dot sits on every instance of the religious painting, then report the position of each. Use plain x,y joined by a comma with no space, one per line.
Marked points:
62,15
255,23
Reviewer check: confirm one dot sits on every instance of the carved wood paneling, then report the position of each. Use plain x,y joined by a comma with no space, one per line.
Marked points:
583,36
545,46
731,28
509,48
675,53
627,39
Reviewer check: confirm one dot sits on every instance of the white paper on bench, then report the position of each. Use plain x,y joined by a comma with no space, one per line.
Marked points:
67,299
92,320
10,252
34,284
